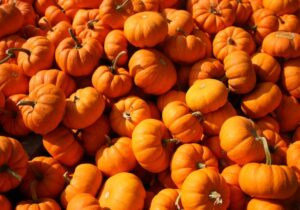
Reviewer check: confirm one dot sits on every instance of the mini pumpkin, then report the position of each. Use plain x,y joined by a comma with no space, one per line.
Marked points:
290,77
83,201
165,199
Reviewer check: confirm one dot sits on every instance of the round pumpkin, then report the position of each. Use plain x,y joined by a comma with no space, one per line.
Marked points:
165,200
281,7
267,204
292,157
290,77
12,41
289,22
58,32
242,9
83,201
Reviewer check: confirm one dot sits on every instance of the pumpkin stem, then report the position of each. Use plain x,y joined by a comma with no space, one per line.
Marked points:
177,204
251,28
266,149
11,53
33,191
72,34
115,61
198,115
230,41
166,141
216,197
126,115
6,168
48,24
214,11
280,20
181,31
67,177
200,165
121,6
90,24
26,103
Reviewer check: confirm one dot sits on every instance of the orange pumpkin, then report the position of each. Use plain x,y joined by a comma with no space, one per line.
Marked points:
242,9
290,77
5,203
292,158
83,201
12,41
267,204
170,96
165,199
38,204
55,14
281,7
41,5
289,22
58,32
267,122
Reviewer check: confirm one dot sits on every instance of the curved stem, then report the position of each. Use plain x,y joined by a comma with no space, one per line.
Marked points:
115,61
6,168
198,115
26,103
126,115
90,24
121,6
67,177
72,34
11,53
266,149
216,197
33,191
280,20
178,207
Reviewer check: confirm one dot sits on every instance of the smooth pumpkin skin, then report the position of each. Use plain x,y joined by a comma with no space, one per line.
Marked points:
10,42
165,199
266,204
58,32
281,7
41,5
188,158
268,181
206,95
199,185
15,157
55,14
148,146
183,124
289,22
264,99
122,191
168,97
238,137
290,77
83,201
5,203
42,204
292,157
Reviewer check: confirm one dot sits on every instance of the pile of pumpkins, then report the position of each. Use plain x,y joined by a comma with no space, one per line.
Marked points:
150,104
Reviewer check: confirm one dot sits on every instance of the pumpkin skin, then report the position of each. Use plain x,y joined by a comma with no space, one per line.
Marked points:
83,201
40,6
289,22
148,145
170,96
5,203
114,43
183,124
87,178
12,80
266,204
288,44
165,179
256,4
47,175
41,204
268,181
266,67
40,57
290,77
187,48
237,131
206,68
127,113
152,71
292,158
55,14
58,32
27,11
62,146
165,200
188,158
43,109
145,29
239,72
13,157
264,99
213,16
242,9
11,120
281,7
30,31
267,122
12,41
206,95
83,108
53,76
11,19
296,135
209,190
116,156
232,39
122,191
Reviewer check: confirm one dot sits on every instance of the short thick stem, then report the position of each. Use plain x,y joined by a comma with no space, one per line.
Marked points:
214,11
90,24
121,6
67,177
26,103
115,61
181,31
216,198
126,115
7,169
280,20
11,53
109,141
72,34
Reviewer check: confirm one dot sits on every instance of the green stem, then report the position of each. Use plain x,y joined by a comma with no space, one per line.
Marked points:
72,34
115,61
121,6
11,53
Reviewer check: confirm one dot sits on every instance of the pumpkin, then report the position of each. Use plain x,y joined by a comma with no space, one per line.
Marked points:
53,76
188,158
36,54
55,14
115,42
87,178
213,143
296,135
12,41
62,146
78,59
289,22
58,32
80,4
163,4
266,67
43,109
281,7
232,39
179,21
11,19
5,203
206,68
155,113
242,9
213,16
183,77
112,81
70,8
30,31
40,6
152,71
187,48
11,119
27,11
38,204
94,136
288,44
165,179
256,4
122,191
292,158
264,99
267,204
205,188
239,72
127,113
46,174
150,145
13,165
145,29
83,201
290,77
165,200
237,131
87,23
12,80
170,96
267,122
206,95
115,156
